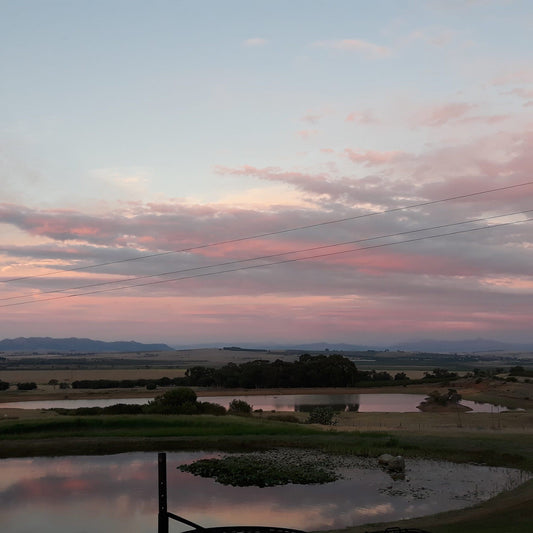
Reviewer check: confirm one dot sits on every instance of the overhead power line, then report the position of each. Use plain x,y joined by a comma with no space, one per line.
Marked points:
271,233
285,261
270,256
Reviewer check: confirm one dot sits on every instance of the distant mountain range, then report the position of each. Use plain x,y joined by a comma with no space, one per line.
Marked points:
75,345
462,346
424,345
332,347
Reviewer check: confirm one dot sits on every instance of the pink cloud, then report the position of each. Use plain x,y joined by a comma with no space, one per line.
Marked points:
498,159
374,157
525,94
255,42
484,119
434,36
321,184
433,285
312,118
356,45
306,134
442,114
363,117
515,76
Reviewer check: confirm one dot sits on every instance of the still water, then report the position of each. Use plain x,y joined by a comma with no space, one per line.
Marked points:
119,493
364,403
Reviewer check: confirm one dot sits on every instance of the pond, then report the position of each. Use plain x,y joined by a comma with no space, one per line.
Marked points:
119,493
364,403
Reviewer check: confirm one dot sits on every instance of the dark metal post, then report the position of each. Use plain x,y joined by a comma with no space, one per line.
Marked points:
162,518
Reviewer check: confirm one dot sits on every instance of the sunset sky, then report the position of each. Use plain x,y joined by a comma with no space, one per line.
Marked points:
133,128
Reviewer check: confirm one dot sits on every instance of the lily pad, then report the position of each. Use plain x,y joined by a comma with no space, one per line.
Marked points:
258,471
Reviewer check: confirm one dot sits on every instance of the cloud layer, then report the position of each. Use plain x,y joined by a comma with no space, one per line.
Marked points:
251,175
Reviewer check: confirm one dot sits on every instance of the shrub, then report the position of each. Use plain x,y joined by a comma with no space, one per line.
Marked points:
445,398
322,415
27,386
123,409
4,385
240,407
208,408
181,400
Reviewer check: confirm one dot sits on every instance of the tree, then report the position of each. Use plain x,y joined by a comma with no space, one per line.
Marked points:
27,386
180,400
452,396
517,370
322,415
54,383
239,407
200,376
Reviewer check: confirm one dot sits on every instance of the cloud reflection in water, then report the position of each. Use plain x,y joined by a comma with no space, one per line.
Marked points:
119,493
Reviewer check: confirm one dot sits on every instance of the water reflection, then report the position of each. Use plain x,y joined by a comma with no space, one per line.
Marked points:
364,403
119,493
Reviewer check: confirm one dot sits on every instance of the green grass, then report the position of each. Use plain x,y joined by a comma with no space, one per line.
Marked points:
147,426
249,432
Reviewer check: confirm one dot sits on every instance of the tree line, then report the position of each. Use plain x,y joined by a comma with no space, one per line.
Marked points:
306,371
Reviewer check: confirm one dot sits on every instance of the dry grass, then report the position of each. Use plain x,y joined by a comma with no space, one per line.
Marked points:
42,377
438,423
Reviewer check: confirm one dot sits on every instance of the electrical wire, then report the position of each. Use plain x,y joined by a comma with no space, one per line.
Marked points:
271,256
270,234
416,239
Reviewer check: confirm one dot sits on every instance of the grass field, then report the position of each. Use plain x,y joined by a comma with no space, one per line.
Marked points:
42,376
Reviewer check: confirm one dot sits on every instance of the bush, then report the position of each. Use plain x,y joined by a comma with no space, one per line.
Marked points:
27,386
446,398
240,407
116,409
4,385
181,400
208,408
123,409
151,386
322,415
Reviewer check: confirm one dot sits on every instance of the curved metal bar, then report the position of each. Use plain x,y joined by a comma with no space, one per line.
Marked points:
248,529
184,520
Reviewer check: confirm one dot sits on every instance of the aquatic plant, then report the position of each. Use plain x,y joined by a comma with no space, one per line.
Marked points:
259,471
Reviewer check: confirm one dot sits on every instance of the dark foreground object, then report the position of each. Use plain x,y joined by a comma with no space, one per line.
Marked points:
244,529
164,514
400,530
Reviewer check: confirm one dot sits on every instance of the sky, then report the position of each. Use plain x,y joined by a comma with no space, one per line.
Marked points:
197,172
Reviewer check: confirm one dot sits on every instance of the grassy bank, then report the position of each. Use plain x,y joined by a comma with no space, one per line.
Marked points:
498,449
74,435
